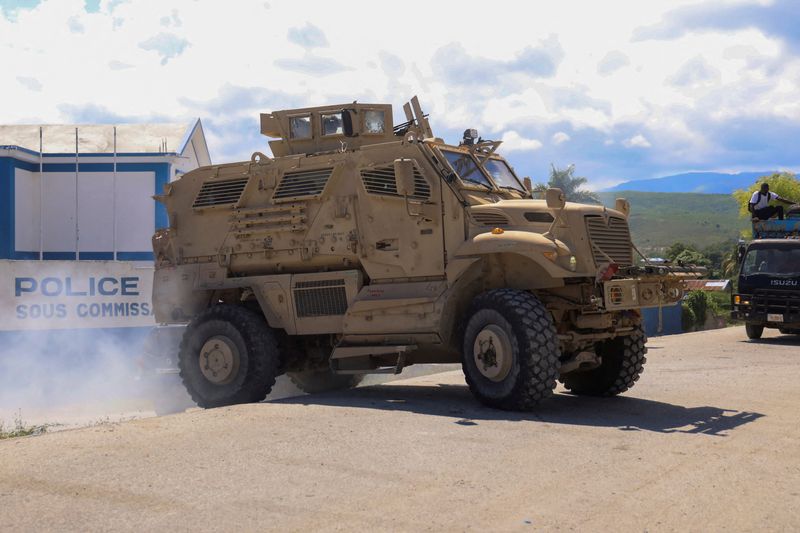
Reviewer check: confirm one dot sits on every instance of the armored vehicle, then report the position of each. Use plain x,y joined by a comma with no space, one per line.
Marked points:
365,246
769,277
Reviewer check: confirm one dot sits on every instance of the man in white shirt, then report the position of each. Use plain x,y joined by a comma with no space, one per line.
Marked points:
759,204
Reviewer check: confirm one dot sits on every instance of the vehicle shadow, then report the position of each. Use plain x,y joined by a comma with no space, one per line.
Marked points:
626,413
784,340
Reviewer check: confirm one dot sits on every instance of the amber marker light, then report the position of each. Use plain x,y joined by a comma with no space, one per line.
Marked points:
498,231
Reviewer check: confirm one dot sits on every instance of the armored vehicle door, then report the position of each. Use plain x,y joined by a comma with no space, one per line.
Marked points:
401,236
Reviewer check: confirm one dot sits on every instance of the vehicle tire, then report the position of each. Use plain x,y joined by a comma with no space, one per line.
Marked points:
228,355
754,331
623,360
314,381
510,350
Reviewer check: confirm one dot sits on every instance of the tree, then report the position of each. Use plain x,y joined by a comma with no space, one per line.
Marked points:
784,184
566,180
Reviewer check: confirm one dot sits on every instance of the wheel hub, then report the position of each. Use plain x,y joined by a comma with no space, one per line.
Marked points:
219,360
492,352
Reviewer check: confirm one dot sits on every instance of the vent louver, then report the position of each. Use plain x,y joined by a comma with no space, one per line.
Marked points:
302,184
613,240
380,180
490,219
214,193
320,298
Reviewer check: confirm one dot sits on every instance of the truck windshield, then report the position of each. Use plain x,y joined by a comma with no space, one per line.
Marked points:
772,261
502,175
466,168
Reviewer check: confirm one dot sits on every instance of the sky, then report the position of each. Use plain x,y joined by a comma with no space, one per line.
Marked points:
622,89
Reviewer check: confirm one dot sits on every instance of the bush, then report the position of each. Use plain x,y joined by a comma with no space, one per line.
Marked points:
688,319
698,303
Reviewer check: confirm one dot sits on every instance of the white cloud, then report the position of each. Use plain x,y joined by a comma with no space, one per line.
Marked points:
514,142
543,75
560,137
637,141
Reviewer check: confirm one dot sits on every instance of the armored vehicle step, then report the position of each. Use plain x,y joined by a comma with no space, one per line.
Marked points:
372,359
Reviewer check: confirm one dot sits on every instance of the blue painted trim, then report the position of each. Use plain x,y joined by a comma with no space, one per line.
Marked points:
6,207
58,256
135,256
25,255
96,256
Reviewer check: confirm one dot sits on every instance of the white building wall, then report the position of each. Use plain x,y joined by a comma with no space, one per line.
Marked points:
26,210
59,212
135,220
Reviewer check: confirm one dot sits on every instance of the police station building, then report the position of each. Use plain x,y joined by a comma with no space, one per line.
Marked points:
76,219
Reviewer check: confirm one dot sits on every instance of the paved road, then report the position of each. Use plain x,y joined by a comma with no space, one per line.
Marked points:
709,440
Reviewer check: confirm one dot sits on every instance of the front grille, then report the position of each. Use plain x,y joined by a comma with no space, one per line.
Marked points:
381,180
488,218
302,184
320,298
778,302
214,193
613,240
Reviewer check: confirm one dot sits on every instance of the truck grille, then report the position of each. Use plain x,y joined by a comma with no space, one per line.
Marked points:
302,184
214,193
613,240
779,302
320,298
380,180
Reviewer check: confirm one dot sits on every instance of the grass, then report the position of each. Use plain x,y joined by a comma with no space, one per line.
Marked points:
20,429
659,219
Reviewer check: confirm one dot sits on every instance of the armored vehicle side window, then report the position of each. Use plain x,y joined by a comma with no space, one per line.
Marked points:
332,124
374,121
502,175
466,168
300,127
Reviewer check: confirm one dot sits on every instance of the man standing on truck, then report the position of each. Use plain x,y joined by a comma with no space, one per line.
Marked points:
759,204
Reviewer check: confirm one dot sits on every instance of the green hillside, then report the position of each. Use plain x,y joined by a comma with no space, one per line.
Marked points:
659,219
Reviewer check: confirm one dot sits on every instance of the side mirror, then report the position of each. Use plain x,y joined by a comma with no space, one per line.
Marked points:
404,176
623,206
740,250
555,198
526,182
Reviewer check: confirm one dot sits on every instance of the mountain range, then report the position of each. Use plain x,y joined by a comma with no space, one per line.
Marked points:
695,182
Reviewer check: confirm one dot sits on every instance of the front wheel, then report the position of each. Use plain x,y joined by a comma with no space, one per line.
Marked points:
754,331
510,350
623,360
228,355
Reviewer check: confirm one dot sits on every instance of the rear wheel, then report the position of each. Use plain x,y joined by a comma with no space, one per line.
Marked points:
228,355
313,381
510,350
623,360
754,331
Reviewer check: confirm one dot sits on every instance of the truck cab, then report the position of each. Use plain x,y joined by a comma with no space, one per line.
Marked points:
769,279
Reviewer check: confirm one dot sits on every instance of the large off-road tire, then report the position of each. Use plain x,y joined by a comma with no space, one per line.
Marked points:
754,331
313,381
623,360
510,350
228,355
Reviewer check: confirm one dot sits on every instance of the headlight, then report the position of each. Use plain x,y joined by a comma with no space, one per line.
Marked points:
573,263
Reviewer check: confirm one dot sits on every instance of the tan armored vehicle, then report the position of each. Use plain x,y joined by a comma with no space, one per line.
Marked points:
364,246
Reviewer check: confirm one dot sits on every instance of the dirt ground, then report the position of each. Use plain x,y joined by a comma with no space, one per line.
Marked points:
709,440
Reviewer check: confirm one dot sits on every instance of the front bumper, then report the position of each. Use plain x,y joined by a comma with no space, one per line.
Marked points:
637,293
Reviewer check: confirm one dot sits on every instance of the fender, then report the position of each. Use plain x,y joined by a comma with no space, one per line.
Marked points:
531,245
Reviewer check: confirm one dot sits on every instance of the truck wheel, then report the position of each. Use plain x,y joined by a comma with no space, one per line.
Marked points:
313,381
622,363
228,355
510,352
753,331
